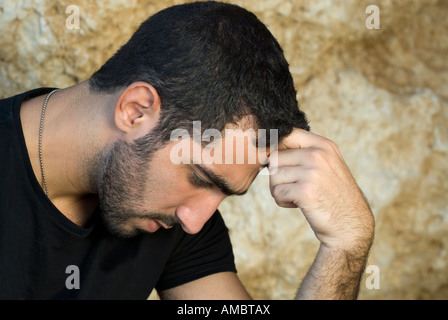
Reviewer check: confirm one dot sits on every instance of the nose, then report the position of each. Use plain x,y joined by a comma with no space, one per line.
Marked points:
194,215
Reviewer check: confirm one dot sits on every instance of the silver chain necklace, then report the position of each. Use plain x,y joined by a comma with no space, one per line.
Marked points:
40,140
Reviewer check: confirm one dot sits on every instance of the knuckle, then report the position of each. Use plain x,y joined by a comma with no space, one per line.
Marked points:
280,193
277,175
318,155
280,174
313,175
331,146
308,189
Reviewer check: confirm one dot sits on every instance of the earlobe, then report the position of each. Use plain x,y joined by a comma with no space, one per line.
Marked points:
137,110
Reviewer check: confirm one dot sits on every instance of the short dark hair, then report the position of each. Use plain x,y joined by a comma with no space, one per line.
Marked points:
211,62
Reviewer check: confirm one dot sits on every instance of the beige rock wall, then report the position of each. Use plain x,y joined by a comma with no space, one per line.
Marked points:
382,95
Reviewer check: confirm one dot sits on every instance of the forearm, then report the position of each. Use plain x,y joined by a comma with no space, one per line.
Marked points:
335,274
311,174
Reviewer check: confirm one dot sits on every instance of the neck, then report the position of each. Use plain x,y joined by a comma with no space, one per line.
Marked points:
72,136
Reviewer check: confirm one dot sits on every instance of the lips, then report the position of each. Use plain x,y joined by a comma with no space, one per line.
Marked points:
150,225
163,225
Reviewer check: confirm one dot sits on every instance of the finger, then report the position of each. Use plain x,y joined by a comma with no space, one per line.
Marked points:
284,195
286,157
309,158
290,157
284,175
300,138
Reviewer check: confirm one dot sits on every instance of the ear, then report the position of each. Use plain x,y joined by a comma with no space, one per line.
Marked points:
137,110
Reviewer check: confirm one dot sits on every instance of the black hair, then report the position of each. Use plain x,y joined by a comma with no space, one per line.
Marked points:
211,62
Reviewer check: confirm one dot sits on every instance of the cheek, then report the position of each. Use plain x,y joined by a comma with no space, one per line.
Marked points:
168,189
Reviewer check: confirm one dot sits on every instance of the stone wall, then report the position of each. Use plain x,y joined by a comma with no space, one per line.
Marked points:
380,94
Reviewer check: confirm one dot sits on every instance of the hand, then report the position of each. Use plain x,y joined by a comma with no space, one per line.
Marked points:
308,172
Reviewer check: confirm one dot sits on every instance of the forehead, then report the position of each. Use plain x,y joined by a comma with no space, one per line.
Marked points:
231,146
236,157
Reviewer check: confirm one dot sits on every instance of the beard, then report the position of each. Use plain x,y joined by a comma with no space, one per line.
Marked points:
120,177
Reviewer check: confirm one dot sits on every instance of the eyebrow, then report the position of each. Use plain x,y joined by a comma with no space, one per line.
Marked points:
219,181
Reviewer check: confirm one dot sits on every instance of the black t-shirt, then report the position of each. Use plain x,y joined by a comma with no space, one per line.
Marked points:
43,254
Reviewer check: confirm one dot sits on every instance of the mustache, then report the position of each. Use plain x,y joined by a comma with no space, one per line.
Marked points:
167,219
122,216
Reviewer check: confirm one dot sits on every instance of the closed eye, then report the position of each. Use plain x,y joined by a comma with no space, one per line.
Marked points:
198,181
217,181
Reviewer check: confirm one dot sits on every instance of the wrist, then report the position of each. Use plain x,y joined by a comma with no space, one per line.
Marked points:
354,240
353,258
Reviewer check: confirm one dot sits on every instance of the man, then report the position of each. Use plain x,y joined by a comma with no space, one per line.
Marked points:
93,205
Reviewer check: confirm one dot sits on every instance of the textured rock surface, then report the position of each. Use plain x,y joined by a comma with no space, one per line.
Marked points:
382,95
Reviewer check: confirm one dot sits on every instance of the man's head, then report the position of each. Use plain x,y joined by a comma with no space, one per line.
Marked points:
210,62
